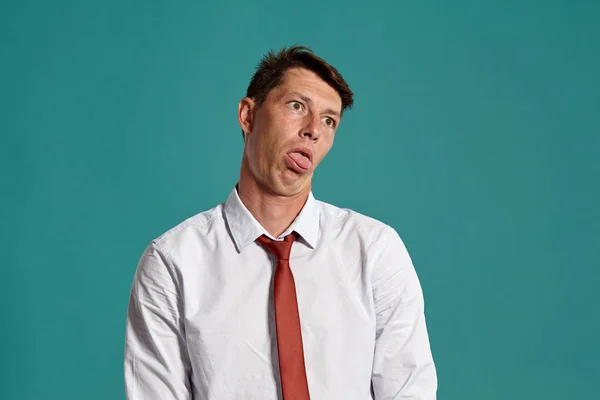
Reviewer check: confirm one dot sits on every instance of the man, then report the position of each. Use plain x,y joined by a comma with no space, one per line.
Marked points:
274,294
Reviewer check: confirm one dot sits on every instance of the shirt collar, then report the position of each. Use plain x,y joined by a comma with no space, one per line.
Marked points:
244,228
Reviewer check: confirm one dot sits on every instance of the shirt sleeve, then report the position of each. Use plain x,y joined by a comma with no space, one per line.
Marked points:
156,360
403,366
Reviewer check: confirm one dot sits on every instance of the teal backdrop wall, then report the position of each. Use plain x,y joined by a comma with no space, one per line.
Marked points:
475,133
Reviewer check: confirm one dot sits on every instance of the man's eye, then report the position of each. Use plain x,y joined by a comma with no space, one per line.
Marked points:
296,105
330,122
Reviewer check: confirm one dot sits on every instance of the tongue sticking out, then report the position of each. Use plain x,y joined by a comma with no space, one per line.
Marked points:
300,159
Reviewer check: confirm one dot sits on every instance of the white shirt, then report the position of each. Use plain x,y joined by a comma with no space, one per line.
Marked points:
201,323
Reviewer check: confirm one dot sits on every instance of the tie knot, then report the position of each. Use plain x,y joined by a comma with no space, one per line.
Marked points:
280,249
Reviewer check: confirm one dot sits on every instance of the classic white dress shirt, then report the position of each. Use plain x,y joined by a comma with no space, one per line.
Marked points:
201,323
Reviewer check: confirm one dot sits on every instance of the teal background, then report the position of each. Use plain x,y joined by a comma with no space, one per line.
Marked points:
475,133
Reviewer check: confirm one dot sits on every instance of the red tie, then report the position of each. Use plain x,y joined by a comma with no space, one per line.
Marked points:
294,384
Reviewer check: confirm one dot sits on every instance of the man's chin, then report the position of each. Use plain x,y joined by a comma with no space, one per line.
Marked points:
292,183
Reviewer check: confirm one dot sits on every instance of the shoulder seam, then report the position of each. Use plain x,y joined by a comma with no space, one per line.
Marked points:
194,220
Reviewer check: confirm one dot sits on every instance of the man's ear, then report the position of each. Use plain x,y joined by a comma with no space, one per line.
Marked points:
246,108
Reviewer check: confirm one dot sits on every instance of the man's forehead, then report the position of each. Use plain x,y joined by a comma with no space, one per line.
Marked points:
306,82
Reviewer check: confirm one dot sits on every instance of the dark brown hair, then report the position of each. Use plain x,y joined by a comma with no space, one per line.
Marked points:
272,67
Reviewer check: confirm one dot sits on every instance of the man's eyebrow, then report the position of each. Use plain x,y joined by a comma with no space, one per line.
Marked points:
308,100
330,111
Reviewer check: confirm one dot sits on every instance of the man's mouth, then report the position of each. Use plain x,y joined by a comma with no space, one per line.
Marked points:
301,159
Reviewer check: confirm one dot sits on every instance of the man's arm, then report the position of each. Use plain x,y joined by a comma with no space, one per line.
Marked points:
403,366
156,359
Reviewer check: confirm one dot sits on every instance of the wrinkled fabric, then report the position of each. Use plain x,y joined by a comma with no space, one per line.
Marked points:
200,321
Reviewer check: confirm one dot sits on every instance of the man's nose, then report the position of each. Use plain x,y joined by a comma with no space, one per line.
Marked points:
312,129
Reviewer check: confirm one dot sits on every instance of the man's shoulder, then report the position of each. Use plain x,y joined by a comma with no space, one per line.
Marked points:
345,218
196,225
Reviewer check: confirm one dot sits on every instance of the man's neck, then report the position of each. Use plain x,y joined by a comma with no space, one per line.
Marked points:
275,213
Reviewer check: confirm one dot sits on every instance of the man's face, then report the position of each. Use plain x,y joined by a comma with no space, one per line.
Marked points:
291,132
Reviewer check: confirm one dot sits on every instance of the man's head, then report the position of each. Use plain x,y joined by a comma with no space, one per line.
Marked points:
292,109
